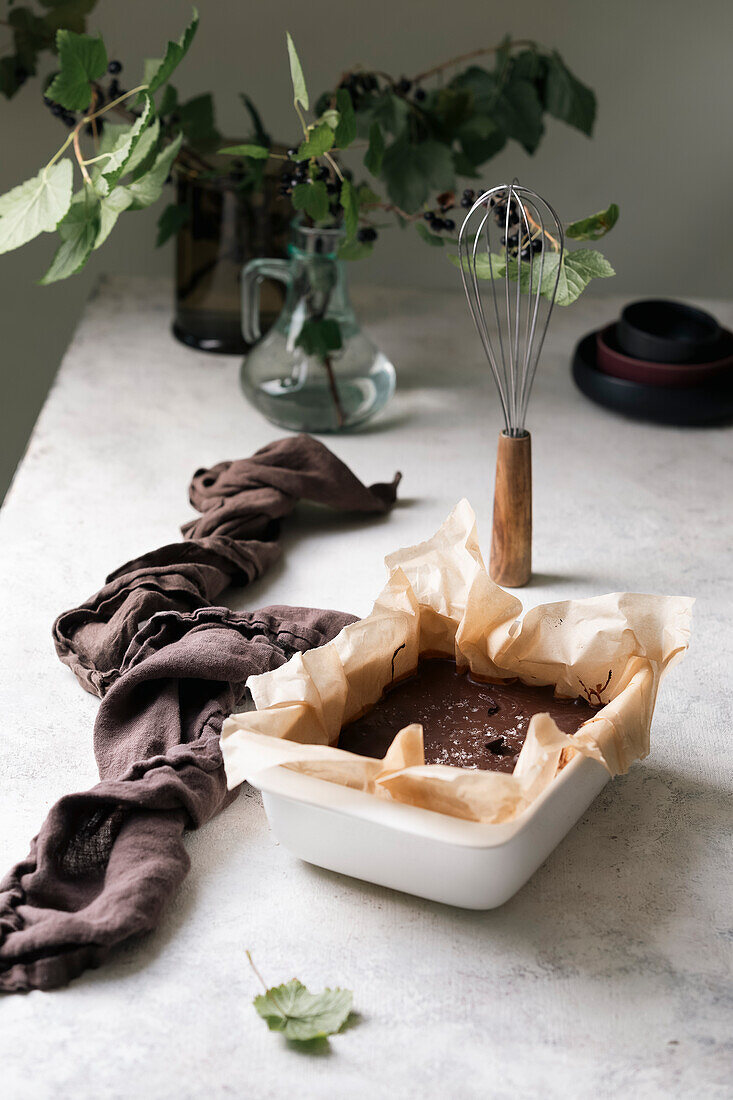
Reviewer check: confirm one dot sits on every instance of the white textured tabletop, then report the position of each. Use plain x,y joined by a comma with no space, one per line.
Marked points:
609,974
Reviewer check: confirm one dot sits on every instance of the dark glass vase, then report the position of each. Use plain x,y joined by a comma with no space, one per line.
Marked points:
228,225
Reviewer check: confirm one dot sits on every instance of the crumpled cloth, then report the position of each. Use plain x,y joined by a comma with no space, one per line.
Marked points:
169,667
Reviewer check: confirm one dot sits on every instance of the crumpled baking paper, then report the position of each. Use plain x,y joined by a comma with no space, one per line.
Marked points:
440,601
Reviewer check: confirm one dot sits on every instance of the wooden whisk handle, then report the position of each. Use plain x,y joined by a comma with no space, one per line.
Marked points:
511,542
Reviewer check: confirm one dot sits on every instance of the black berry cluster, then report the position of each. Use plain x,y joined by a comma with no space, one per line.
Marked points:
67,117
359,85
367,234
525,241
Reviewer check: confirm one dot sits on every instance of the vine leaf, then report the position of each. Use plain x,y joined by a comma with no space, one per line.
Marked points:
121,153
78,231
375,153
196,118
300,92
355,250
346,129
594,227
110,208
301,1015
313,199
429,238
145,145
412,170
566,98
82,59
576,269
260,133
148,188
319,141
350,206
320,337
35,206
256,152
173,218
174,54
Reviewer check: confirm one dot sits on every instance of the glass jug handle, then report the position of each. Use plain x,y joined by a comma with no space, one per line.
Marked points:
252,275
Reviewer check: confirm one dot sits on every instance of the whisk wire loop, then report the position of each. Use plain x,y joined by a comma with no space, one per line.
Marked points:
513,335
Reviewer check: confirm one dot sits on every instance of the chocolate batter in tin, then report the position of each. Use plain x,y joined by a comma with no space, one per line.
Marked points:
466,723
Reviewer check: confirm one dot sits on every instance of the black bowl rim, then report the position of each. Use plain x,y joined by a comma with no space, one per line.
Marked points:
639,343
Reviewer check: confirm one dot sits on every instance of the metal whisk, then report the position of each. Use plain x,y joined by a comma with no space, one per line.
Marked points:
510,247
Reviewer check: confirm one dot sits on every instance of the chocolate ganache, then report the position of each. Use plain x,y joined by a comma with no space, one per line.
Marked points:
466,723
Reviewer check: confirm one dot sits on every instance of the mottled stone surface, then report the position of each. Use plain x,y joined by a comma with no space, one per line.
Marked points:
608,974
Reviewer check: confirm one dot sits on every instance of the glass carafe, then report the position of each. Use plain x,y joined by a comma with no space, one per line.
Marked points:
315,370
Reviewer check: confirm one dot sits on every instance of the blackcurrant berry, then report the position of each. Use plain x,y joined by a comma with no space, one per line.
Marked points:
437,225
114,67
421,95
114,90
331,189
404,85
429,215
449,223
367,234
537,245
469,193
466,202
322,173
57,110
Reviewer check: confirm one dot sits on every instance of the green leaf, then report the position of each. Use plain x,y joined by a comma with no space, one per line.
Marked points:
121,153
318,142
174,54
148,188
110,208
300,92
301,1015
168,102
411,171
566,98
313,199
375,153
320,337
70,14
575,272
330,116
143,149
518,112
595,226
82,59
346,129
428,237
355,250
256,152
391,112
366,196
197,122
78,231
173,218
350,206
260,133
481,138
36,206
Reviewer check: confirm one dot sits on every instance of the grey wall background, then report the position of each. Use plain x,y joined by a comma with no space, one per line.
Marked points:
662,147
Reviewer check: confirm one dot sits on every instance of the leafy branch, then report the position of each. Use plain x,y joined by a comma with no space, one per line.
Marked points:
129,165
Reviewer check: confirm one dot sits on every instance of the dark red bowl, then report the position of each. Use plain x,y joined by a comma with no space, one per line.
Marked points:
611,360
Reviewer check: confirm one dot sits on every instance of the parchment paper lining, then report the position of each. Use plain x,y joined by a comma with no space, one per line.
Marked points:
440,600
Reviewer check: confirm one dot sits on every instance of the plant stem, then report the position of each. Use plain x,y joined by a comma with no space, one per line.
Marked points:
251,963
341,419
481,52
77,153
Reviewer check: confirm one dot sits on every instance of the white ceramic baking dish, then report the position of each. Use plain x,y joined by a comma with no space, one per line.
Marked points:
432,855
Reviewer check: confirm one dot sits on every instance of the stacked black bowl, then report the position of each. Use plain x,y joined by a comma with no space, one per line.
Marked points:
661,361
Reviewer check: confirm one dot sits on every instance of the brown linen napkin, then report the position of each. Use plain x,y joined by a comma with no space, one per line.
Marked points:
170,669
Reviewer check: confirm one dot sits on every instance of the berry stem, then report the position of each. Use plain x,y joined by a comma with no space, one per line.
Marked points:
77,153
481,52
